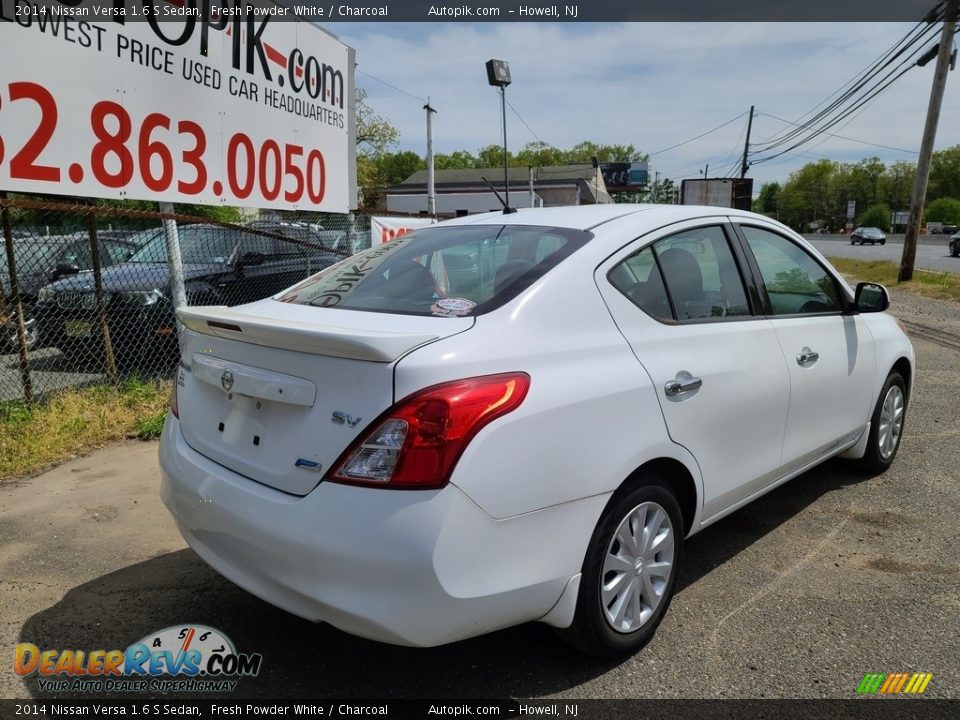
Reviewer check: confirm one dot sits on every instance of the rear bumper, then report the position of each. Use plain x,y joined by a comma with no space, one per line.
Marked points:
418,568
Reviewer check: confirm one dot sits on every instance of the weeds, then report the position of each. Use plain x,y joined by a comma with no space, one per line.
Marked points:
76,421
943,286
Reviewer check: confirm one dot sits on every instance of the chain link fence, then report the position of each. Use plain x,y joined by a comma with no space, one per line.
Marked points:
86,289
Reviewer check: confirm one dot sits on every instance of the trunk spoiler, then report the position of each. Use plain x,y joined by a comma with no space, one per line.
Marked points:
318,339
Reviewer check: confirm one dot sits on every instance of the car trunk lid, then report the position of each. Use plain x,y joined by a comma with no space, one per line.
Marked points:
277,392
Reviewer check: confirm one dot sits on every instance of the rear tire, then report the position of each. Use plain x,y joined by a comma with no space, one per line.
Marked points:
886,426
955,250
629,571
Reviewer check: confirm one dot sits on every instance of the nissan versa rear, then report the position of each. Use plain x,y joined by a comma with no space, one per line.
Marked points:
516,417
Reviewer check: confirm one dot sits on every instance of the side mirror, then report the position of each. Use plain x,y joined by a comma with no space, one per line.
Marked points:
66,269
871,297
251,258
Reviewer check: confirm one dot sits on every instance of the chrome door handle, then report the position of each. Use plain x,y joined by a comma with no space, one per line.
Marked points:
681,385
807,357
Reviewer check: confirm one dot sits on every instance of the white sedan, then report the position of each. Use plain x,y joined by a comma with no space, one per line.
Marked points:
516,417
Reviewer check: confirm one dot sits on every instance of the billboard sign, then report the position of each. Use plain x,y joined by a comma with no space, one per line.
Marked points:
624,176
186,101
718,192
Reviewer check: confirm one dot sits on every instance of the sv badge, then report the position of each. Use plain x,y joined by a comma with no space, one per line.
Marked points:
341,418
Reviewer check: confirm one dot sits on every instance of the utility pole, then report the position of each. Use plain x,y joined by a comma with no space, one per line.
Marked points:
929,136
746,146
431,191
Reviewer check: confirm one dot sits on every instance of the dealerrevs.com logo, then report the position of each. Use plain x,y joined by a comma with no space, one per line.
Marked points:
185,658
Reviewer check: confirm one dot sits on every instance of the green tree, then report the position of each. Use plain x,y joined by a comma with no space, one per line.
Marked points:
810,197
896,185
768,202
945,174
540,154
945,210
397,167
661,192
491,156
586,150
866,176
877,216
374,135
457,160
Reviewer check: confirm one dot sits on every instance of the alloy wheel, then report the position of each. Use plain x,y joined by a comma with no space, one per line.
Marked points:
637,567
891,422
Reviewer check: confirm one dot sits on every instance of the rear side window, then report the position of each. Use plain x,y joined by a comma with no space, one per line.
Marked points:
441,271
701,274
639,278
689,276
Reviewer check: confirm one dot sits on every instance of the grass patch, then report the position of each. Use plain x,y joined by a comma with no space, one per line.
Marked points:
76,421
149,428
943,286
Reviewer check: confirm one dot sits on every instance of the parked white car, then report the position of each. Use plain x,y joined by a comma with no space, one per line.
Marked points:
516,417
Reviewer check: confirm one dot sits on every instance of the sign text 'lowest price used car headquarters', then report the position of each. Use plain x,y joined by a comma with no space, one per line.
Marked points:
197,103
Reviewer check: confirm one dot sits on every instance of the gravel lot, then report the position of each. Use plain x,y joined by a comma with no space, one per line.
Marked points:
798,595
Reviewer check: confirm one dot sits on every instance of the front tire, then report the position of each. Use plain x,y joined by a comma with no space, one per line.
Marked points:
629,571
886,426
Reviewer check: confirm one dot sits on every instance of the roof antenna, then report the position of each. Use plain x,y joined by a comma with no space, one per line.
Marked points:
507,210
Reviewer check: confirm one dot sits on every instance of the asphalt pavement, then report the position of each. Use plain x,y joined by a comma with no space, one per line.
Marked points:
932,252
798,595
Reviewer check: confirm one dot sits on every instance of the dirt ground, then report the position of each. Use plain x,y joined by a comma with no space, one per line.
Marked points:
798,595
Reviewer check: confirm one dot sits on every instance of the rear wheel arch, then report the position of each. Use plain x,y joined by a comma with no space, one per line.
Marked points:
671,474
665,486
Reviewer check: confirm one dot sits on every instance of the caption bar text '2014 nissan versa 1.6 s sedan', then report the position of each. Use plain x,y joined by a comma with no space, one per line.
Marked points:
516,417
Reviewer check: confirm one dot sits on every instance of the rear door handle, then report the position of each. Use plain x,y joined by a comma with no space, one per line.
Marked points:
807,357
683,383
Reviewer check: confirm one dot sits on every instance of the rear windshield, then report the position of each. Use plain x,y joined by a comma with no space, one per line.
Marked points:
441,271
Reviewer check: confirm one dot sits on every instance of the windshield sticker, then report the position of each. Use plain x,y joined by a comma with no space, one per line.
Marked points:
330,287
452,307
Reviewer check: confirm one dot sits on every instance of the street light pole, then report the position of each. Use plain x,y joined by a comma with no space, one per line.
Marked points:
506,176
498,75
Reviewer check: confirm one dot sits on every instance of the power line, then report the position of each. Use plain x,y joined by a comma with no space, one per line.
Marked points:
865,70
866,85
846,113
394,87
703,134
510,105
844,137
720,158
858,83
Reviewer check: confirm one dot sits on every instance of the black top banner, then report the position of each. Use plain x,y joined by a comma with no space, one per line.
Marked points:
441,709
324,11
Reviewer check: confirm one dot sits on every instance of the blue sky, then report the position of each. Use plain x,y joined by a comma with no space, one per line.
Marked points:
648,84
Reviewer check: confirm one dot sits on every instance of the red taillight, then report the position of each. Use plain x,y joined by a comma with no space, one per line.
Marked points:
417,443
174,407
